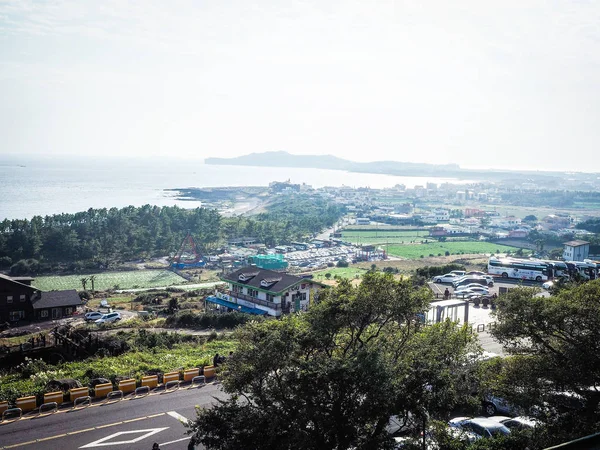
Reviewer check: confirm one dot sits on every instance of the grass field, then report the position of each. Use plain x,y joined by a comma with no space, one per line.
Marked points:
384,236
109,280
342,272
435,248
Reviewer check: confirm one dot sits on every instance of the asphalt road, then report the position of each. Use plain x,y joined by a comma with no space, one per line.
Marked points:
130,424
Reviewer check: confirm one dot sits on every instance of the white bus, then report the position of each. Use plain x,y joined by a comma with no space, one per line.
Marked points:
522,269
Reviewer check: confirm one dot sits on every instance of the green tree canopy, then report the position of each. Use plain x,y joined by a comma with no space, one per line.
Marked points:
555,370
331,378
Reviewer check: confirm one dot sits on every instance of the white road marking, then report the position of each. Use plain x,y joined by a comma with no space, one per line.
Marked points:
179,417
102,442
172,442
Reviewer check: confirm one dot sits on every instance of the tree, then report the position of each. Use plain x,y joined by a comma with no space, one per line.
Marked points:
173,305
556,362
331,378
84,282
530,218
92,280
328,275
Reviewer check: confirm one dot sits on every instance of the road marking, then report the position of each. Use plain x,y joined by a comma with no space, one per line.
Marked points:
102,442
184,420
20,445
81,431
173,442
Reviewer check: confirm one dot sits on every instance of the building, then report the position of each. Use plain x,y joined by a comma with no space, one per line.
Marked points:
19,300
261,291
576,250
242,241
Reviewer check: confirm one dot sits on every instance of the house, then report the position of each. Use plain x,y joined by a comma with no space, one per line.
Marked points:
19,300
241,241
261,291
576,250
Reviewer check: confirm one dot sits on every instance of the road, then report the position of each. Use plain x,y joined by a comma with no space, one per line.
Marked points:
130,424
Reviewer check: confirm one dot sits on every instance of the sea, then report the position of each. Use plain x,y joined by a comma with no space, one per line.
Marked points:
41,186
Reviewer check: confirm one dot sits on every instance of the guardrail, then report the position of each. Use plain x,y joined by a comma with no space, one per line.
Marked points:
48,408
81,397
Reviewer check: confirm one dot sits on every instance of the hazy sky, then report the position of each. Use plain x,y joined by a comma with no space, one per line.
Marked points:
480,83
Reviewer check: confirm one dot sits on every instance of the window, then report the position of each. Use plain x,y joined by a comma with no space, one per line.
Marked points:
9,299
16,315
22,297
270,298
252,292
44,313
68,310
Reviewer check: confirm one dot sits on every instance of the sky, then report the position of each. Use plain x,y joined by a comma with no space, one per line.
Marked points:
495,83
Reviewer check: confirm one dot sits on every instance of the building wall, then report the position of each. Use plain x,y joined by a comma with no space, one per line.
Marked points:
15,301
578,253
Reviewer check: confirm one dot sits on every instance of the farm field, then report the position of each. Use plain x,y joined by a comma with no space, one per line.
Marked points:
111,280
342,272
384,236
435,248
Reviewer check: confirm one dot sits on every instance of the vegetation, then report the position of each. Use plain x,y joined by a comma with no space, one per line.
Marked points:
152,353
556,360
436,248
187,319
102,238
109,280
332,377
341,272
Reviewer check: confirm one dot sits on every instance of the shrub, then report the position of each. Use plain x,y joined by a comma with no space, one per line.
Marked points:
447,253
187,319
5,262
342,263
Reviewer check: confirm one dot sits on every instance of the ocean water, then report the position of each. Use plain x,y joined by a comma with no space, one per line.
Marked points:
44,186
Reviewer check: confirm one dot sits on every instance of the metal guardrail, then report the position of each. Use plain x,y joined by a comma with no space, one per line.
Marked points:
80,401
48,408
142,391
6,415
198,381
171,386
114,397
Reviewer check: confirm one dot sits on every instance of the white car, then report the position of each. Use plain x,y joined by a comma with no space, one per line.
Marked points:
473,290
548,284
516,423
447,278
108,318
481,426
92,316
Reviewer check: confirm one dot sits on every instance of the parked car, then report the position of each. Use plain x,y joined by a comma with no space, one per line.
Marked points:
92,316
108,318
548,284
460,273
485,280
481,426
472,290
447,278
493,405
516,423
476,272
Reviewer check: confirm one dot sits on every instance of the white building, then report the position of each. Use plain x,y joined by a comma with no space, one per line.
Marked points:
576,250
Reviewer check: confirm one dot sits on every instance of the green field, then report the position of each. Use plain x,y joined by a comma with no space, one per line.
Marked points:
384,236
473,247
342,272
110,280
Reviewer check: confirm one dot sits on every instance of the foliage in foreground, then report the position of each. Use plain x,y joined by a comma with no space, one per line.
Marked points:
155,354
555,370
332,377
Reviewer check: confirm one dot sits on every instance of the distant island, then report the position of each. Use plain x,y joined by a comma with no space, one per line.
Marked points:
284,159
